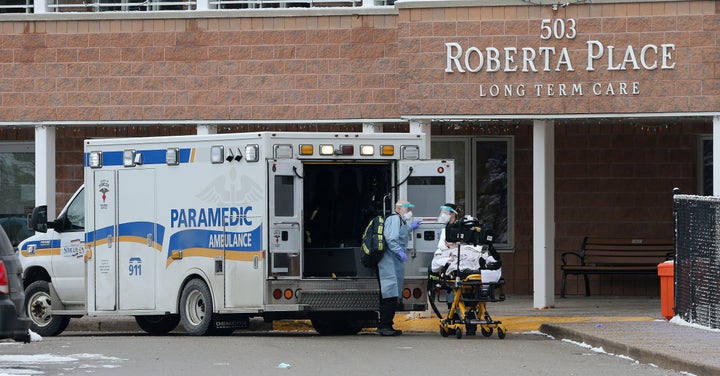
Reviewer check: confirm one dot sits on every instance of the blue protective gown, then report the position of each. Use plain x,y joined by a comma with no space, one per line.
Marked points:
391,270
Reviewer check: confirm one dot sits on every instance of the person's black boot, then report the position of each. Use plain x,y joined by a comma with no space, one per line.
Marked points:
387,314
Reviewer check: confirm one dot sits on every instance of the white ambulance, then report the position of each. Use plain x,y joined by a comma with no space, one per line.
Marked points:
211,230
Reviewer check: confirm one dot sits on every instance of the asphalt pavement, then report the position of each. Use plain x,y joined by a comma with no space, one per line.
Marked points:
630,326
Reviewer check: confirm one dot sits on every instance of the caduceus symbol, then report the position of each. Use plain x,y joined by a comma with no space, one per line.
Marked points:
231,190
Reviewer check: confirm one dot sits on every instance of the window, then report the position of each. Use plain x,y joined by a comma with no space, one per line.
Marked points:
76,212
17,188
483,180
426,189
284,189
706,166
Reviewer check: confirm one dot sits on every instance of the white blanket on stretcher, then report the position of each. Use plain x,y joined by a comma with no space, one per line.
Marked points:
469,260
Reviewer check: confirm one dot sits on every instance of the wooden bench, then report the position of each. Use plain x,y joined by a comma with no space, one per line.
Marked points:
616,256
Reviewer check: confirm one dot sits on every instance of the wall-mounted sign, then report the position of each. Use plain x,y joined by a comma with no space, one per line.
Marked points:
473,59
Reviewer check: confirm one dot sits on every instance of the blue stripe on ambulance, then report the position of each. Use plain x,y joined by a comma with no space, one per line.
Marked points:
150,157
130,229
216,240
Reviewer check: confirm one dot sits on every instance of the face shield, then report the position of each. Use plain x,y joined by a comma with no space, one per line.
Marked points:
406,211
446,214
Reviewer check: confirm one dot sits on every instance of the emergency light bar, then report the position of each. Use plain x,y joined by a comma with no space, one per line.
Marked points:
387,150
282,151
95,159
251,153
171,156
327,150
367,150
217,154
409,152
306,149
131,158
345,150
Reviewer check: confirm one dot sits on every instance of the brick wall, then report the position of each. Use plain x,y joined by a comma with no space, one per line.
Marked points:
616,179
692,85
239,68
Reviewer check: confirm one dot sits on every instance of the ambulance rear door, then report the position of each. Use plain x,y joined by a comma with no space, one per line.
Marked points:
138,247
427,184
285,195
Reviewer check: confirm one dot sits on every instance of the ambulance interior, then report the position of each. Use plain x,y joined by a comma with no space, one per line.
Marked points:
339,201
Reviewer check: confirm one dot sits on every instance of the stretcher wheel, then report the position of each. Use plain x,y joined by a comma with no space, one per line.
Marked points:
501,333
458,334
486,331
443,331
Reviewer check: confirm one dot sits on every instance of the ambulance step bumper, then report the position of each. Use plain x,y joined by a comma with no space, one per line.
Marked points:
354,300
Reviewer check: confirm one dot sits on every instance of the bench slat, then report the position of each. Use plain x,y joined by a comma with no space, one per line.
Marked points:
644,247
619,256
628,241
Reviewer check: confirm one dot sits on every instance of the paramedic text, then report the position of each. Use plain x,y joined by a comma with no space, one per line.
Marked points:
210,217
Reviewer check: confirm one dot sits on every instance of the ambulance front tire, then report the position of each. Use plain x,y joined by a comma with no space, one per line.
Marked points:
196,308
38,309
158,324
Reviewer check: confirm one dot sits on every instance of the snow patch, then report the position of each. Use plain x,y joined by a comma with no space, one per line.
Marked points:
679,321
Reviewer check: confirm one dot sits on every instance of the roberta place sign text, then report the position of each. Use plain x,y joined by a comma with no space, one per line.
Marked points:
551,59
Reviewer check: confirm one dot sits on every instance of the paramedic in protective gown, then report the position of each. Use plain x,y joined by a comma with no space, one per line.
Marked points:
391,268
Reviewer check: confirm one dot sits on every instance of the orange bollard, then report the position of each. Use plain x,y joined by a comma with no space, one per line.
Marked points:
666,271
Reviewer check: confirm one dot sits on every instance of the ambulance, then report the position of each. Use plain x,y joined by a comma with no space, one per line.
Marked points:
208,231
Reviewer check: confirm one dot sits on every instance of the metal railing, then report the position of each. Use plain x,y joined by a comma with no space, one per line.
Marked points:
60,6
17,6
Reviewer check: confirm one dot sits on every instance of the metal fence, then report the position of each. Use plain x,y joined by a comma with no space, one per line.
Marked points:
697,259
59,6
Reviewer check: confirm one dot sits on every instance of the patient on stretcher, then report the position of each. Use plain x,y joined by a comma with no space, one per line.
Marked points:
474,259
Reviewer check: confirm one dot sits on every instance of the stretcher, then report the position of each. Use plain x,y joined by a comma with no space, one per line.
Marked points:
467,309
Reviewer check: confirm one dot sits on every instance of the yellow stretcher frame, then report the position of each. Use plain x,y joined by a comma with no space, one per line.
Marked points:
468,309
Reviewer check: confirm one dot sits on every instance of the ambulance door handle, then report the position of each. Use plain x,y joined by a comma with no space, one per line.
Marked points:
149,240
256,262
109,241
286,223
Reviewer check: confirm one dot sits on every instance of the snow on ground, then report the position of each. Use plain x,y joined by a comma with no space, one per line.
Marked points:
678,321
30,365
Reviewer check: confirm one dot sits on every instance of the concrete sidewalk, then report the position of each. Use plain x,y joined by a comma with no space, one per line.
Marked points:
631,326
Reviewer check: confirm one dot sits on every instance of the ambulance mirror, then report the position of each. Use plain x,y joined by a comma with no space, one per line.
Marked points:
38,219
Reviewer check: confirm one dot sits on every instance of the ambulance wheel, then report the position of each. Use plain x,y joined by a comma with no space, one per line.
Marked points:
333,327
158,324
38,309
487,331
501,333
196,308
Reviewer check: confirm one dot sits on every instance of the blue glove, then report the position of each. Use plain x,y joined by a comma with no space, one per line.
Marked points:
415,224
402,256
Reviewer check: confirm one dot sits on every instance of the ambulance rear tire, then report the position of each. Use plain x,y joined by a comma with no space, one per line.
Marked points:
158,325
196,308
330,327
38,309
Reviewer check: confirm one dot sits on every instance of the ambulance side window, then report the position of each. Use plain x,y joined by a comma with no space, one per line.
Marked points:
284,205
76,213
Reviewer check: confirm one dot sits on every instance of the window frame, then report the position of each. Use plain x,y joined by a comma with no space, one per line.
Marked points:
469,171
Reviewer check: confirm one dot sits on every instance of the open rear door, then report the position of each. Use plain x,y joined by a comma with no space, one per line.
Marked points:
427,184
285,203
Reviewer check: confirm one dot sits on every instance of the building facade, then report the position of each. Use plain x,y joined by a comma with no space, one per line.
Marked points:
565,120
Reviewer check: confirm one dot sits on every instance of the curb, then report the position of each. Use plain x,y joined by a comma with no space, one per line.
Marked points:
642,354
405,322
